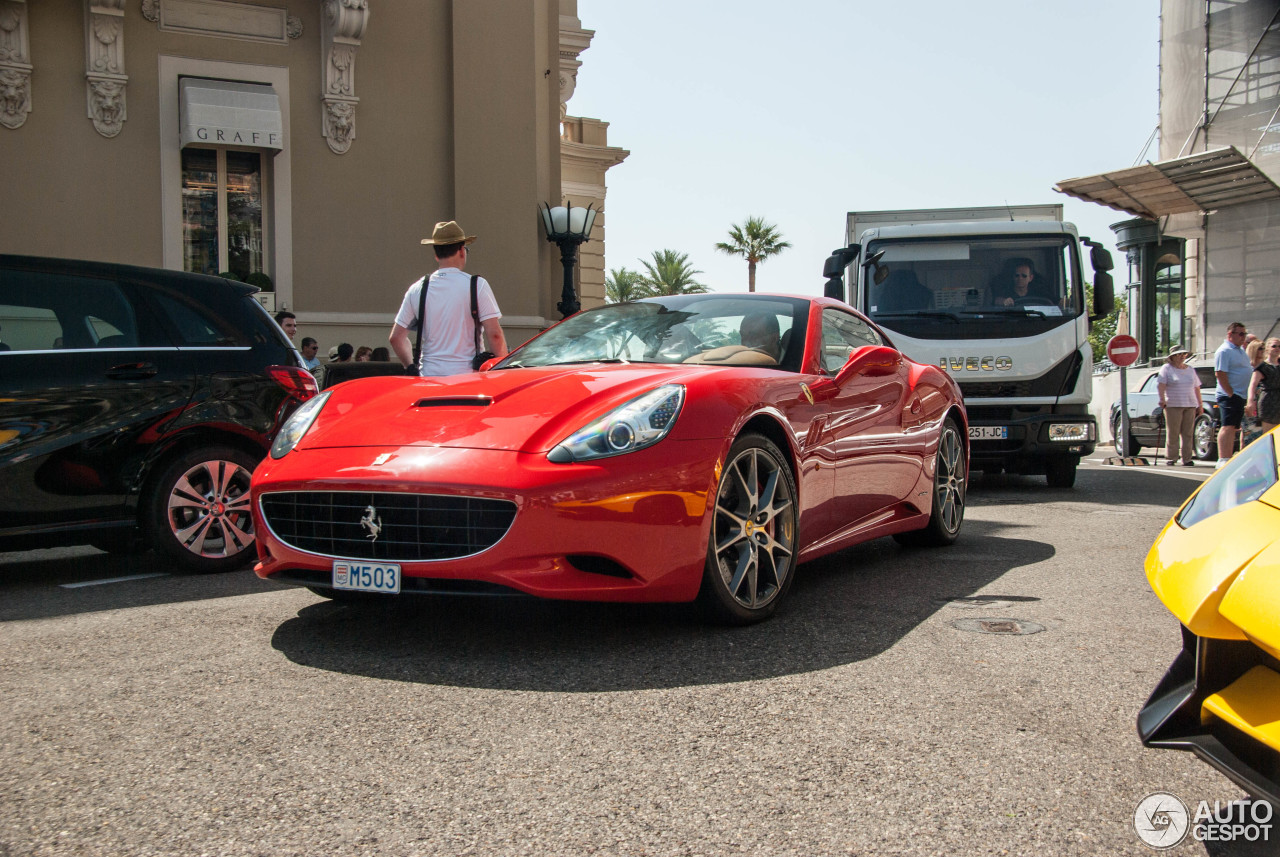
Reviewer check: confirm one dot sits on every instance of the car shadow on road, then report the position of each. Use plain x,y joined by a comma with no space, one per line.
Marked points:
844,608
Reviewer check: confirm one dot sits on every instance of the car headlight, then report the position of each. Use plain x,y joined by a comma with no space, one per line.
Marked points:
641,422
297,425
1247,476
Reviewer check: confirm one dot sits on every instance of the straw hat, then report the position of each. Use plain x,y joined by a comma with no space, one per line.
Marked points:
448,232
1175,351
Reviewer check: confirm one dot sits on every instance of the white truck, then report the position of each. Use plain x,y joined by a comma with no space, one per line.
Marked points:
995,296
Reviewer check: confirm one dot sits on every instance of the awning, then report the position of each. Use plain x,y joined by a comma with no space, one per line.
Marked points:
1202,182
223,113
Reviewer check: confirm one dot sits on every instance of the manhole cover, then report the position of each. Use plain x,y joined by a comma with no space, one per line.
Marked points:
1008,627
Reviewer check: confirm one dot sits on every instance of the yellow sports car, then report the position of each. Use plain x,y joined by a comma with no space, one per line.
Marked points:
1216,566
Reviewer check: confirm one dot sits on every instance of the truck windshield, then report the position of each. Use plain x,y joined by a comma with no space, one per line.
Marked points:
973,287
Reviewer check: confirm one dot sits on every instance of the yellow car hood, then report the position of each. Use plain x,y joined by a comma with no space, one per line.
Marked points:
1221,577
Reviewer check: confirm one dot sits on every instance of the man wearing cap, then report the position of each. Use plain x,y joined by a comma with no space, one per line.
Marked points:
1234,371
1179,389
448,337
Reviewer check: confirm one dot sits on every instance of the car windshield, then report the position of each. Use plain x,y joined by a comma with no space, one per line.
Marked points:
710,329
975,288
1246,477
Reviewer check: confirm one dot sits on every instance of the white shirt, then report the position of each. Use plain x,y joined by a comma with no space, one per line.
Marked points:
449,341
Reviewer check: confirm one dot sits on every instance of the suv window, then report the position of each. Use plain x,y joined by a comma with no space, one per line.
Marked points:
842,334
194,325
42,310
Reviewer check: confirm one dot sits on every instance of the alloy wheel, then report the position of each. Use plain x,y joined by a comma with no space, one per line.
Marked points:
755,528
208,509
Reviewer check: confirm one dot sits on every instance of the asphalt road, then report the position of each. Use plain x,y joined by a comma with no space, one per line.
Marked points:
178,715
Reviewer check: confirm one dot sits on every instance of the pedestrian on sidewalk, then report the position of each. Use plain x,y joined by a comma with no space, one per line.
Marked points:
1179,388
1233,370
449,332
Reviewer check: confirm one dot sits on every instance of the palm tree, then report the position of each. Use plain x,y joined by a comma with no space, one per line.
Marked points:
623,284
755,241
671,274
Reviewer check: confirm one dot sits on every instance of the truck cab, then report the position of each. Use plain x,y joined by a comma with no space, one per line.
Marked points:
999,304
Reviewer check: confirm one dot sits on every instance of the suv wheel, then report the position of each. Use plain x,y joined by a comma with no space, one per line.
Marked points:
197,511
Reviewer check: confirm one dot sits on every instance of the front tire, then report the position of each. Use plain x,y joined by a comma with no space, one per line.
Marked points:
950,477
1060,472
197,510
751,549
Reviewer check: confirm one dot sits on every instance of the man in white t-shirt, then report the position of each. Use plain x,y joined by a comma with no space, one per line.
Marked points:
448,338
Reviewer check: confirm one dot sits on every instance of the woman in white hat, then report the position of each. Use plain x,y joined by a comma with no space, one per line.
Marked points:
1179,388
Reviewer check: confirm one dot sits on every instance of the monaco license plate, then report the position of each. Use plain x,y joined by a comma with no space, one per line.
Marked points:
366,576
988,432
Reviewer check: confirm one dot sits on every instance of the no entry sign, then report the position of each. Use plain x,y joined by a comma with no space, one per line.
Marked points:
1122,350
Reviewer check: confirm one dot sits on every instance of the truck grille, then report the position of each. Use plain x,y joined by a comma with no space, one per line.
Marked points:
410,527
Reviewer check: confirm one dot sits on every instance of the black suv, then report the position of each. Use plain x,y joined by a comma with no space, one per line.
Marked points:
134,405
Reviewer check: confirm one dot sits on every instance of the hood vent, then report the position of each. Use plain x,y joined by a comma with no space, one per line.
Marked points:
455,402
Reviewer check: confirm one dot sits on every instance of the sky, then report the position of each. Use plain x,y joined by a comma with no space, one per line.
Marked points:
801,112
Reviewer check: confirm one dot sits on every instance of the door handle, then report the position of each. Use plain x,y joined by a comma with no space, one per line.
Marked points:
131,371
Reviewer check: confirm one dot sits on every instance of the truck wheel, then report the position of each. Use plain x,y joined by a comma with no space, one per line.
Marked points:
1204,439
1061,472
196,512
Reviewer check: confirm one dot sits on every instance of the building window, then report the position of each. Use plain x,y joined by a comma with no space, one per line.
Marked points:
222,193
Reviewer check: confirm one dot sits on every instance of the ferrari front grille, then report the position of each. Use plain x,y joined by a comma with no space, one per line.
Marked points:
386,526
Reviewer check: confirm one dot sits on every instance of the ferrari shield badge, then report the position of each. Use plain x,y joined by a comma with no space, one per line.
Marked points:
808,394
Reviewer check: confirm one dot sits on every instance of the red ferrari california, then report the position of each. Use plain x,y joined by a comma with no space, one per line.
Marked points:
669,449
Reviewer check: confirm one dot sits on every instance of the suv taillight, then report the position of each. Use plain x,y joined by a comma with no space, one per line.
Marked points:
298,383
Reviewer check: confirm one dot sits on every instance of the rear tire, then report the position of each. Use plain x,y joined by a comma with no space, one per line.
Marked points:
197,510
751,548
1134,446
1060,472
950,477
1204,440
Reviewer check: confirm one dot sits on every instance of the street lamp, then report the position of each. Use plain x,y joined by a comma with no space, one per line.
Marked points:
567,227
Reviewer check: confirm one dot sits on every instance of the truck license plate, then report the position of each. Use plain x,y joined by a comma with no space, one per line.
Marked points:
988,432
366,576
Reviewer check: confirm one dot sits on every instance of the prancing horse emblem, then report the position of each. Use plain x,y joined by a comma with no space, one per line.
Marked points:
371,522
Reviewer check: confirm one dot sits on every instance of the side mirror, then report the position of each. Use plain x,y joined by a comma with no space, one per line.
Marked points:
833,269
1104,295
488,364
873,361
1100,259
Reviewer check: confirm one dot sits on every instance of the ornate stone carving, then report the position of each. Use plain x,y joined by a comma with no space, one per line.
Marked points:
105,78
151,10
341,32
293,27
573,41
15,64
106,105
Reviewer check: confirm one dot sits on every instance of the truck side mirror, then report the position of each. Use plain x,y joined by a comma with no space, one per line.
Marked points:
833,269
1100,258
1104,296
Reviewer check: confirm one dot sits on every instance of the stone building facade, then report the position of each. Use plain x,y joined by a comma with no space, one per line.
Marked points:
309,144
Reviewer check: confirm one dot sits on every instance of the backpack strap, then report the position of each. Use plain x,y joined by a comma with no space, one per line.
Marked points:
475,313
422,321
